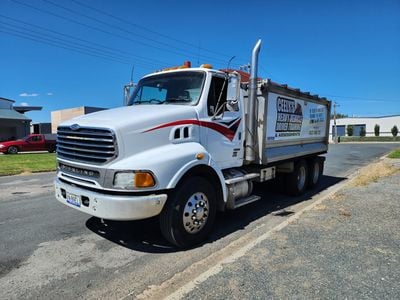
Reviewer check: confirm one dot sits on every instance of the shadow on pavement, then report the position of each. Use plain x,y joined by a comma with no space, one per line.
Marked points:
145,235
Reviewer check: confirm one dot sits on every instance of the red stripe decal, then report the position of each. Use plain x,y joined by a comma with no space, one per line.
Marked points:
225,131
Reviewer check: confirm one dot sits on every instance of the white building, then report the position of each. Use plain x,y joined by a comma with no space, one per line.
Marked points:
386,124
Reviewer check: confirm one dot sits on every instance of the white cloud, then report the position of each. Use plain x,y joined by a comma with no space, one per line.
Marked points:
49,94
24,104
28,95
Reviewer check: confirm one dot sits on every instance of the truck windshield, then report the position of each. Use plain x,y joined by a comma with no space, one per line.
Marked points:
172,88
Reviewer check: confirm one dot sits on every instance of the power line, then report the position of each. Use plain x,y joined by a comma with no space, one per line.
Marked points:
40,35
100,47
116,27
89,26
25,36
362,98
99,29
147,29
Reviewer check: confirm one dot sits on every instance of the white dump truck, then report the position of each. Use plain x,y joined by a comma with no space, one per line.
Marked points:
190,142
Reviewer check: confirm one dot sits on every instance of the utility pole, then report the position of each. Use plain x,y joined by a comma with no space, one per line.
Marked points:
334,122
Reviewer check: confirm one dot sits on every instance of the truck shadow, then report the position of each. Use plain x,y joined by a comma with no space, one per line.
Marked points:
145,235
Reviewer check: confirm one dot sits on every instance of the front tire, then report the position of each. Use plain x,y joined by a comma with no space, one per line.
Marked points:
188,216
52,149
12,150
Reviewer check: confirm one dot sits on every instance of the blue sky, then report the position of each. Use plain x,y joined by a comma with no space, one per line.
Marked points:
348,51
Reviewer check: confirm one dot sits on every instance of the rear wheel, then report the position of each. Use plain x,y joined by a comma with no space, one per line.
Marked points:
315,169
12,150
296,182
189,214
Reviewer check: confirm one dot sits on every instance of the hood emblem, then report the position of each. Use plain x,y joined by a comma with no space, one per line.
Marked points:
74,127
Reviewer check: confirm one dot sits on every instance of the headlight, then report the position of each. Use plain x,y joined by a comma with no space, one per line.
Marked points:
2,146
133,179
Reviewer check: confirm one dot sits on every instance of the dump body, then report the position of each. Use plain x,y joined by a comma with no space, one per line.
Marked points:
290,123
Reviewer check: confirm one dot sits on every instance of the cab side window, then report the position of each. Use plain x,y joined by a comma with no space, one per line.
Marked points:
217,86
36,138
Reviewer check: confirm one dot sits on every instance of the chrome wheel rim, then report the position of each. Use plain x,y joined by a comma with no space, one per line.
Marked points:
195,213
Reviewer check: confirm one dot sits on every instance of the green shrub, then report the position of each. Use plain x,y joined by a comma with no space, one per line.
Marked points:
395,131
377,129
362,131
350,130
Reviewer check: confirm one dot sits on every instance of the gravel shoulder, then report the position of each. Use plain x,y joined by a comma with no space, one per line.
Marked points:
345,247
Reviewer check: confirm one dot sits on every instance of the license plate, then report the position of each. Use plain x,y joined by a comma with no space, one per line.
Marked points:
73,199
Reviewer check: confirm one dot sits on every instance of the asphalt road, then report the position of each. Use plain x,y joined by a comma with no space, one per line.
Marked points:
50,251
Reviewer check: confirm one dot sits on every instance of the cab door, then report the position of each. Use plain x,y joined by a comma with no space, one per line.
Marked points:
224,123
34,143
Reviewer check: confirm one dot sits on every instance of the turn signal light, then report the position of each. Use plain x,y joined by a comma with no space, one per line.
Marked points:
143,179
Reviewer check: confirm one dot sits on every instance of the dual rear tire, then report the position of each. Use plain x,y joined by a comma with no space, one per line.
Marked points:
306,174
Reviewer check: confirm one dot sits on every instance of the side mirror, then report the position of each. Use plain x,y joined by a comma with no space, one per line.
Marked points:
233,88
233,92
127,92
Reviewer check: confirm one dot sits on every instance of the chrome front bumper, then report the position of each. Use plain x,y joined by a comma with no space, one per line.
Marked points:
111,207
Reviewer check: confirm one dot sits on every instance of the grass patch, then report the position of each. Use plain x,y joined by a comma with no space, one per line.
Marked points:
27,163
394,154
344,139
373,172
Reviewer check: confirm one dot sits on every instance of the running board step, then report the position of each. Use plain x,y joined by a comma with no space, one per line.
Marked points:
243,201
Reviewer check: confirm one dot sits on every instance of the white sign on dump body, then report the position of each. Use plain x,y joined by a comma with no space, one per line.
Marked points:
290,118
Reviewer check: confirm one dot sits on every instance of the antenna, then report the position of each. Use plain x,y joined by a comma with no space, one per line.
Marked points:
133,68
229,62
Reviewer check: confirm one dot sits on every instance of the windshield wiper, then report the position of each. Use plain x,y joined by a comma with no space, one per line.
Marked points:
171,100
156,101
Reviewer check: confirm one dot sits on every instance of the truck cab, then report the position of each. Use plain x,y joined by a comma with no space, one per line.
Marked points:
123,164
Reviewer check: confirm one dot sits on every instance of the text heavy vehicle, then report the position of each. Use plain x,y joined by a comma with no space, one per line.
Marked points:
191,141
32,142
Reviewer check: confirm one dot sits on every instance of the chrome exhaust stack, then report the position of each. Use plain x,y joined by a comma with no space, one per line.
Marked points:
251,106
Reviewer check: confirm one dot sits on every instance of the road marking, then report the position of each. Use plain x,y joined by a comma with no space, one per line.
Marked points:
173,289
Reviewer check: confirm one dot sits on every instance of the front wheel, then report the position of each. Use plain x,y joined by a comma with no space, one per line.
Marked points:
12,150
51,149
188,216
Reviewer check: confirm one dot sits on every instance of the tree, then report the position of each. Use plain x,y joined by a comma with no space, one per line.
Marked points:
350,130
395,131
339,116
377,129
362,131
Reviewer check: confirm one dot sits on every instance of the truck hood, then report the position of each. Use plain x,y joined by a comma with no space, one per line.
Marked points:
140,127
134,117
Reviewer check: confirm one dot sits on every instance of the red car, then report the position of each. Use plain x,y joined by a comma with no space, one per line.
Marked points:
32,142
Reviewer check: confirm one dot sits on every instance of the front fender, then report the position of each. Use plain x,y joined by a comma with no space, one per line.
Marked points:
190,165
169,163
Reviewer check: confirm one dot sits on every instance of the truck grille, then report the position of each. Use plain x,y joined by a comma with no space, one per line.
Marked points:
90,145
